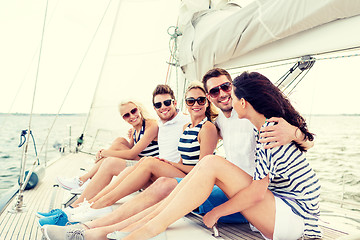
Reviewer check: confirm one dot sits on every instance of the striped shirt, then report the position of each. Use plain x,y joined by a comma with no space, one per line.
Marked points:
152,149
292,179
189,146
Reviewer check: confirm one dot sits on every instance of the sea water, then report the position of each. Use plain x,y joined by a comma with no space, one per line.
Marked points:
335,156
64,132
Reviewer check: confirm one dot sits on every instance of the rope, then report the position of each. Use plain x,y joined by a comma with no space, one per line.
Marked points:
294,60
74,78
174,37
23,140
307,71
102,68
23,80
169,65
22,184
173,47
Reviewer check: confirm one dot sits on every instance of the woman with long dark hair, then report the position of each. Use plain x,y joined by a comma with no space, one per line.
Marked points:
282,198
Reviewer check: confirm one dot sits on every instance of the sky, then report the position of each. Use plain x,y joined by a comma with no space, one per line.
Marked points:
331,87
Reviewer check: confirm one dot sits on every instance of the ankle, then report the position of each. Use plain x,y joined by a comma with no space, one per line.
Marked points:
152,231
82,180
86,226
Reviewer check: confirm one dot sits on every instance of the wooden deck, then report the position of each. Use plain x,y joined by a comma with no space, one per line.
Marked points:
42,198
243,231
46,196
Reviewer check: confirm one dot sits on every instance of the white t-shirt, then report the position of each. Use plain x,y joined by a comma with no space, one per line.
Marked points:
238,141
169,136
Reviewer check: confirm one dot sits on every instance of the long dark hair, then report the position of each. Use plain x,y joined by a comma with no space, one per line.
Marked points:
268,100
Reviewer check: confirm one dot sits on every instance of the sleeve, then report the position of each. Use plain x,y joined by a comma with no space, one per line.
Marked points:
261,165
218,125
265,163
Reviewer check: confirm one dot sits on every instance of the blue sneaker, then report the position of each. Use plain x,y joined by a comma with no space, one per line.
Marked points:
59,219
48,214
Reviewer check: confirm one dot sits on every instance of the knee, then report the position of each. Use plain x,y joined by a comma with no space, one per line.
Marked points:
143,159
209,162
206,161
120,141
163,186
111,163
148,162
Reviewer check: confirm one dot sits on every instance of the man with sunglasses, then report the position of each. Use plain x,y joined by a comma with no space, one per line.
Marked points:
170,123
218,84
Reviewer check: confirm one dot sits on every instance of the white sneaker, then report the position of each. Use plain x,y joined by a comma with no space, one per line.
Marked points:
79,190
69,183
117,235
82,207
90,214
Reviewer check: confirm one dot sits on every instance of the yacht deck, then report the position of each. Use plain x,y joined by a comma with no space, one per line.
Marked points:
47,195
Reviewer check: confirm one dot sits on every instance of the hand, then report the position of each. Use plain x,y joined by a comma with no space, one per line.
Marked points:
279,134
164,160
210,219
98,155
130,133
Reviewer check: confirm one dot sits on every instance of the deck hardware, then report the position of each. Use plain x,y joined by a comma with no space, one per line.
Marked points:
216,231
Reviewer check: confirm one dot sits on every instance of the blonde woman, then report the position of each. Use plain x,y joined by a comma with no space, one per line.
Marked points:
110,162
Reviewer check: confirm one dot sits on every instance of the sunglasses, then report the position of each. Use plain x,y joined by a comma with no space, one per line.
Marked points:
127,115
166,103
191,101
215,91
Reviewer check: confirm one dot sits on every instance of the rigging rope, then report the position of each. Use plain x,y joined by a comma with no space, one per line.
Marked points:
26,73
74,78
294,60
22,183
23,140
174,60
173,50
291,91
80,139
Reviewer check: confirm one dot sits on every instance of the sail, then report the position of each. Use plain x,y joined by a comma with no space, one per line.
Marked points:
228,35
137,56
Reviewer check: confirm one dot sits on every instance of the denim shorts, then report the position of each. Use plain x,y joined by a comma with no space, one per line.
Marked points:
216,198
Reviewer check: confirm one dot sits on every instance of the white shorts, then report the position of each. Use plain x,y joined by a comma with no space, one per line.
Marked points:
288,225
130,163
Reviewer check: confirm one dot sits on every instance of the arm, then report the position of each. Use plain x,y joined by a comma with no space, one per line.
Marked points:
151,131
242,200
208,139
283,133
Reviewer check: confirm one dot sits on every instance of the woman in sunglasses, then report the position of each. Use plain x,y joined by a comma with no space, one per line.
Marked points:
282,198
200,136
143,142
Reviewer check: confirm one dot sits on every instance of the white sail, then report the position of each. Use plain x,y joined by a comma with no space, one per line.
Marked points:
227,35
221,33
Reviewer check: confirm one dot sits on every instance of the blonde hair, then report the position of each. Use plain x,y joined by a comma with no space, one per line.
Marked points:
143,112
211,112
